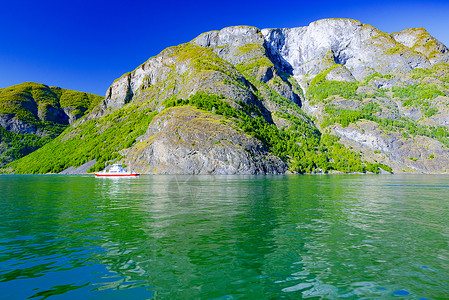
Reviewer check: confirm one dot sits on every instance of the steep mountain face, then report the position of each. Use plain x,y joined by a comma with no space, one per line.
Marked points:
361,49
248,101
32,114
392,88
208,145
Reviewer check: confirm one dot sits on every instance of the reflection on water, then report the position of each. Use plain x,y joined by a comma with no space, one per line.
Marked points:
250,237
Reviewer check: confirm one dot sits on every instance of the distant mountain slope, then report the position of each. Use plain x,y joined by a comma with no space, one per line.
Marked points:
384,95
32,114
337,95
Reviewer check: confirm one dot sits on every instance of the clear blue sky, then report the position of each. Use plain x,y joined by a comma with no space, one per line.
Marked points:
85,44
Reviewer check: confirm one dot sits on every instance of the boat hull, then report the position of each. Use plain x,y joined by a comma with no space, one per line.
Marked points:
117,175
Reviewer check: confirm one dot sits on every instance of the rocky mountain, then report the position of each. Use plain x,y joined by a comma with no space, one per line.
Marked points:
337,95
32,114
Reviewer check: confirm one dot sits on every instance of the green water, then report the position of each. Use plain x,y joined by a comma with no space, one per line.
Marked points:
224,237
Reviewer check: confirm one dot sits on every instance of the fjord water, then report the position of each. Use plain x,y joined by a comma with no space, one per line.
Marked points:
224,237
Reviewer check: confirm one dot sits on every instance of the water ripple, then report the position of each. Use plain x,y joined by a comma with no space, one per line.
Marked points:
225,237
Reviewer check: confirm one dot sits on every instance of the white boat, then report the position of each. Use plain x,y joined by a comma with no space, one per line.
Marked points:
116,171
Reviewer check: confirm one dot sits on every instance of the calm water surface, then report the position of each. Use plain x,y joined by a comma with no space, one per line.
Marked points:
224,237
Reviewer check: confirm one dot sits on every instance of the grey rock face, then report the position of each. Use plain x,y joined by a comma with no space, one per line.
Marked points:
80,170
175,73
70,114
185,140
120,93
421,41
340,74
11,123
361,48
227,41
410,155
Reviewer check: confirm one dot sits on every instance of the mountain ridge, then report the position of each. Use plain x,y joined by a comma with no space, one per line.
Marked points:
299,91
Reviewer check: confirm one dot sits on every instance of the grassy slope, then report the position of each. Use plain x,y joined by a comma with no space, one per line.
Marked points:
24,101
95,139
19,100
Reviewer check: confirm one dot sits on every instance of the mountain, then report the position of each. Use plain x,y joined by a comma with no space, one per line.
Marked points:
32,114
337,95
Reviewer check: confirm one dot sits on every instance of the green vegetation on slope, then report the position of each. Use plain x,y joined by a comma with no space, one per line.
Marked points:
255,63
249,48
320,88
302,145
406,126
16,145
201,59
24,99
376,75
347,116
417,94
29,102
71,98
440,71
95,139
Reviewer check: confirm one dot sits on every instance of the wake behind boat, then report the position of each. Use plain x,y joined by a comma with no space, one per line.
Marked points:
116,171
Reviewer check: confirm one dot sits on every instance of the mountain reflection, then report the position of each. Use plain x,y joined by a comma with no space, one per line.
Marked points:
224,237
171,231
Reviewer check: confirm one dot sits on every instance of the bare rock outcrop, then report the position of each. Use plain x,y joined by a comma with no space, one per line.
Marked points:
418,155
361,48
184,140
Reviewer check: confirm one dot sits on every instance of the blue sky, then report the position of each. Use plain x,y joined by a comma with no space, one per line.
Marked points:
85,45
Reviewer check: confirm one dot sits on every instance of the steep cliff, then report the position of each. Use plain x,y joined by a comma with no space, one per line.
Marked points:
244,100
353,73
360,48
187,140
